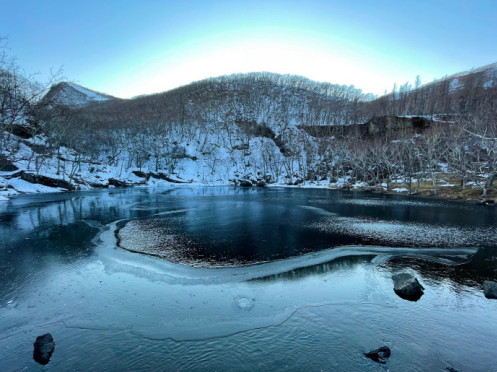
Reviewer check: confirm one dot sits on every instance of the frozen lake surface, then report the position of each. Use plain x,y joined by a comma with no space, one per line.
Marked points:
246,280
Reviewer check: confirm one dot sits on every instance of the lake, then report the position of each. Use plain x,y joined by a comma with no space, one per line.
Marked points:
235,279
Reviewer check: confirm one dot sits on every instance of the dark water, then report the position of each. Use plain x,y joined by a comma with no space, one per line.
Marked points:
309,308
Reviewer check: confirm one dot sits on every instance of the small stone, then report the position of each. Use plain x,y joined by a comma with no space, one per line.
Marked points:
407,287
43,348
379,355
490,289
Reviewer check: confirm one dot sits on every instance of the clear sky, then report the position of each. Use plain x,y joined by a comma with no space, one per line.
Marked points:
126,48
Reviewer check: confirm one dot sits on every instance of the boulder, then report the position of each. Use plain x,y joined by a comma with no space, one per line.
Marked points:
490,289
245,183
261,184
379,355
44,347
407,287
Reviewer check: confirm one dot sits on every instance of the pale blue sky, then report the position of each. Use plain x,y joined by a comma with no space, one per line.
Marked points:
127,48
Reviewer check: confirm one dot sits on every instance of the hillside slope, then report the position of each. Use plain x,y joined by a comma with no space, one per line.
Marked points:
74,96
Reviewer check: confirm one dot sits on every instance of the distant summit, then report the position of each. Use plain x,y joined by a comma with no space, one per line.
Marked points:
75,96
481,77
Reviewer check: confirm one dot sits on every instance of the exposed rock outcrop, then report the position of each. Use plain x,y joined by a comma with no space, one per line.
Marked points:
262,130
384,124
245,183
141,174
22,131
46,181
376,126
117,183
6,165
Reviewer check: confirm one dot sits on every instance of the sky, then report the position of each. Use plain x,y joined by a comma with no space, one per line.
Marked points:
128,48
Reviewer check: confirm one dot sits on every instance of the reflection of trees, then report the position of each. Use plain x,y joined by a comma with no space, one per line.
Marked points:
483,266
340,263
22,261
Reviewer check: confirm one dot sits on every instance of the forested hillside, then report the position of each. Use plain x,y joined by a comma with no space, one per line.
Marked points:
263,128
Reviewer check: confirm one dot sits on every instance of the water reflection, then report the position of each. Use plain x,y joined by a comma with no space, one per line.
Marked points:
28,260
340,263
481,267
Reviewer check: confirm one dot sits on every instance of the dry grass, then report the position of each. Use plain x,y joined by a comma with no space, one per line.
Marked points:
449,192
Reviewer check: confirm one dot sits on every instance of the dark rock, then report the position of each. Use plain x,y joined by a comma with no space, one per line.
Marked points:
44,347
243,146
22,131
158,176
165,177
245,183
117,183
407,287
6,165
140,174
379,355
376,126
175,180
261,184
46,181
178,153
97,185
481,202
298,181
369,189
450,369
490,289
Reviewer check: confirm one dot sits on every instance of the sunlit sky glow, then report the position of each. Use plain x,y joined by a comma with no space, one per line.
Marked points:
127,48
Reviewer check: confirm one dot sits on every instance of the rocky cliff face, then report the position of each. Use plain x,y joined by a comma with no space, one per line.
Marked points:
385,124
374,127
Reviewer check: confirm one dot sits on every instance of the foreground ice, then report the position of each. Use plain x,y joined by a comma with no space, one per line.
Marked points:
110,309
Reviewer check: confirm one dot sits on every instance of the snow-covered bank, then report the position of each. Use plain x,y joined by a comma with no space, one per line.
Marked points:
33,166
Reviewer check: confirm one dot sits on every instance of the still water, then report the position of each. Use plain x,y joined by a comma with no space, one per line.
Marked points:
272,279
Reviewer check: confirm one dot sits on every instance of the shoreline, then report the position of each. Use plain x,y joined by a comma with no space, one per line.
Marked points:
452,193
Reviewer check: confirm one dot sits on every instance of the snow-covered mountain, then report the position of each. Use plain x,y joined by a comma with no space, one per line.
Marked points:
74,95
